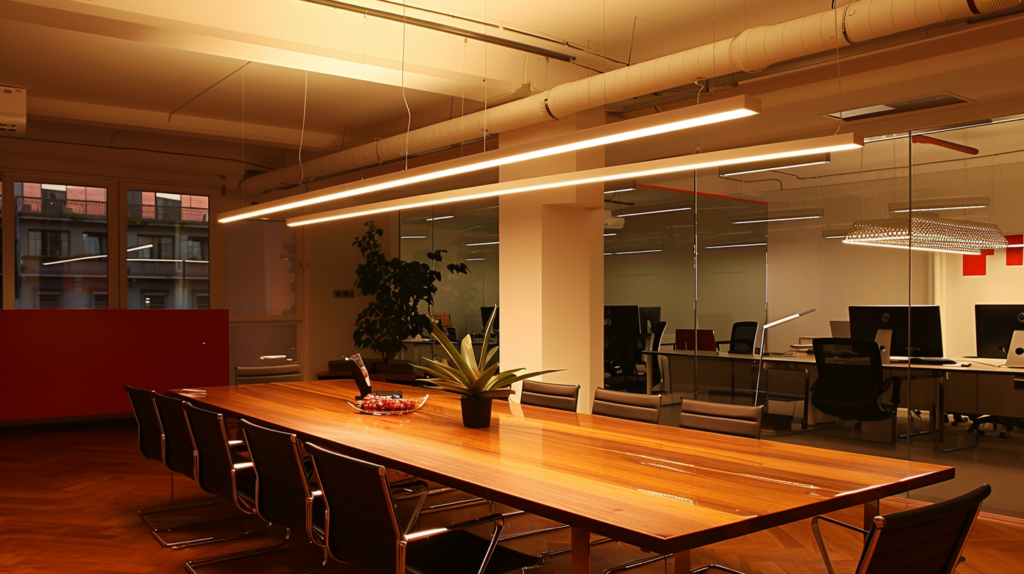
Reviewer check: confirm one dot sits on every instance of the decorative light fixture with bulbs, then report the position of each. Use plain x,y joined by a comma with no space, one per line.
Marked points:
919,233
657,167
675,120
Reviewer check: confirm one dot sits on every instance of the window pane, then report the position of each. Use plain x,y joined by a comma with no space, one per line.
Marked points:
61,246
168,251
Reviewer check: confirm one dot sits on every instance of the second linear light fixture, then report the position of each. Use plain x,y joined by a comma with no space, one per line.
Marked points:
676,120
620,172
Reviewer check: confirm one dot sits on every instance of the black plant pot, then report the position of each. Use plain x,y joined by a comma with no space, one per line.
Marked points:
476,412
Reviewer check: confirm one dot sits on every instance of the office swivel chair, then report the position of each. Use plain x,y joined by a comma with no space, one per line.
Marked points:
274,374
851,382
629,406
927,540
625,374
550,395
742,339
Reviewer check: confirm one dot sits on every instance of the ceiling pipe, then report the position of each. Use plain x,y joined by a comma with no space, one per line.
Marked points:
752,50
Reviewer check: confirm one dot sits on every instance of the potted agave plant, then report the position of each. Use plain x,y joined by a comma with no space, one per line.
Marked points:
476,379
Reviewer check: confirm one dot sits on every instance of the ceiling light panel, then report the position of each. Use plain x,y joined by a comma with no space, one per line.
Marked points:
676,120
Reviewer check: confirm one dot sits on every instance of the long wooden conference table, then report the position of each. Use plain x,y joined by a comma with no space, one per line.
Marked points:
664,489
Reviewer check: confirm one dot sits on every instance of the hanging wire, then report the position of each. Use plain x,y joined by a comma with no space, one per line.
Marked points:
839,74
302,134
362,116
408,112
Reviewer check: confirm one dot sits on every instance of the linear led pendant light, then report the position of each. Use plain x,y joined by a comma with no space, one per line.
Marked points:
619,172
942,204
782,215
685,118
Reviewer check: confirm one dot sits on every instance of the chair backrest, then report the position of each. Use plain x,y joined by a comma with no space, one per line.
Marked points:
281,483
150,436
926,540
275,374
552,396
744,334
179,452
361,525
630,406
213,453
850,376
739,420
657,334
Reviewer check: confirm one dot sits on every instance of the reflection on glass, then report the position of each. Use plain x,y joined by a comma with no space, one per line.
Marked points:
168,251
61,246
262,344
467,233
259,268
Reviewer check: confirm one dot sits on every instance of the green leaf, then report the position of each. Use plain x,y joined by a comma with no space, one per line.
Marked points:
492,358
454,355
451,374
488,329
467,352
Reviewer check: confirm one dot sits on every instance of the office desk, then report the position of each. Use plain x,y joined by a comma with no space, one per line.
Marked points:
1000,384
665,489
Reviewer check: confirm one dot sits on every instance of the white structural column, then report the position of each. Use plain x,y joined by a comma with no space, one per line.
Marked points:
552,266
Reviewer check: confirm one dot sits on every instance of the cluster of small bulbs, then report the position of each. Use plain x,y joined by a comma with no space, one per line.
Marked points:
928,234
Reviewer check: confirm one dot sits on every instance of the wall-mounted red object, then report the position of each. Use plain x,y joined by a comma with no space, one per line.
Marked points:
976,265
58,363
1015,252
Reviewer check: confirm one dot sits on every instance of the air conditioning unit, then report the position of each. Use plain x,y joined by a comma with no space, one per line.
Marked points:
612,222
12,110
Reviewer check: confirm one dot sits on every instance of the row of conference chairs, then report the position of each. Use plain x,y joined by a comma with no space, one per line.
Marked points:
345,509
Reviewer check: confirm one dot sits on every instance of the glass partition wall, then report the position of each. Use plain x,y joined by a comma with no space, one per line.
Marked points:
465,233
903,239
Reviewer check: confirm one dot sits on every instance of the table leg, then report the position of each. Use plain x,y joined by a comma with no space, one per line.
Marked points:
580,540
649,364
807,399
871,510
682,562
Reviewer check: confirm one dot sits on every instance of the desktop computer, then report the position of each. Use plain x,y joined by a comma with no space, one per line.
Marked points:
923,323
994,326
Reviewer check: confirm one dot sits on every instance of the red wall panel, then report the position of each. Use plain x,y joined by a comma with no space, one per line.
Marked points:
71,363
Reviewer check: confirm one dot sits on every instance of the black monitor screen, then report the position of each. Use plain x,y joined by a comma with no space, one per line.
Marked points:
650,315
994,326
924,324
485,316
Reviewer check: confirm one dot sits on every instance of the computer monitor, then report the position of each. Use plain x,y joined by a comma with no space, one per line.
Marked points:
649,316
994,326
621,332
485,316
923,322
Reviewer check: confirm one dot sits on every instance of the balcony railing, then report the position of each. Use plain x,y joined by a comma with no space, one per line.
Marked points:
62,207
167,213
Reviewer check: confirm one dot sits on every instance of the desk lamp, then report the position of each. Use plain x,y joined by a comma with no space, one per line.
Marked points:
760,363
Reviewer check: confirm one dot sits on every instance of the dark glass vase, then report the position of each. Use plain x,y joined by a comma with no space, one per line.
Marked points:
476,412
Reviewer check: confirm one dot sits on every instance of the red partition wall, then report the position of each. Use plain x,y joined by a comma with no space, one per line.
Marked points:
58,363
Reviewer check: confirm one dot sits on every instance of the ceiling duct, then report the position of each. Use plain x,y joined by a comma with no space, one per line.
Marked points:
752,50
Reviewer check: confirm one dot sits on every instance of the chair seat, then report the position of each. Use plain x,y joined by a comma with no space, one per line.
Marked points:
460,553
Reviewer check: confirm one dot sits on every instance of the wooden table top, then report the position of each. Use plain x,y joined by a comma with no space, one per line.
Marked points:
662,488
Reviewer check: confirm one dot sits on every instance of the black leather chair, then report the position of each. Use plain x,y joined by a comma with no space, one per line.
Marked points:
722,418
362,528
284,494
625,375
926,540
744,334
549,395
151,444
222,471
629,406
851,382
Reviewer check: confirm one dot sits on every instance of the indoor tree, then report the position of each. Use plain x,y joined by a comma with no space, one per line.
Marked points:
398,288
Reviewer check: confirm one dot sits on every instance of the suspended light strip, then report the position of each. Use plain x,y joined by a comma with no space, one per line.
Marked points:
783,215
835,233
476,259
87,257
945,204
609,234
736,245
414,237
927,234
623,190
685,118
167,260
439,218
634,252
481,244
774,166
629,171
653,212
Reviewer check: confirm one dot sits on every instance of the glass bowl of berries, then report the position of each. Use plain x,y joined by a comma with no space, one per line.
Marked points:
377,405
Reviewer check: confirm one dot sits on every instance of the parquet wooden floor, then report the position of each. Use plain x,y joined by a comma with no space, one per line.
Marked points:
69,496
